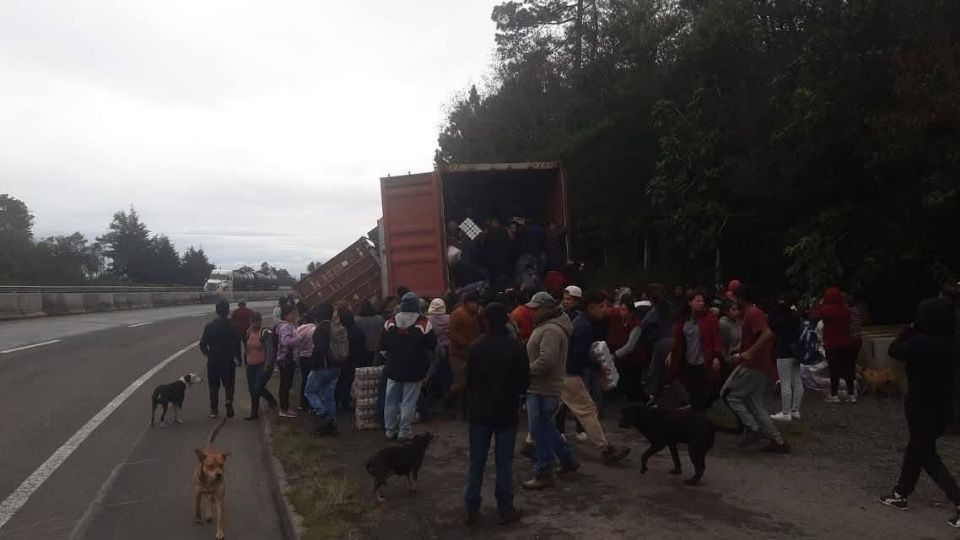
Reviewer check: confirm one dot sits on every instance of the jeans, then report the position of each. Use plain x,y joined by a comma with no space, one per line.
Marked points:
657,370
791,385
744,393
257,377
287,370
546,439
320,391
307,364
221,373
504,441
922,454
400,406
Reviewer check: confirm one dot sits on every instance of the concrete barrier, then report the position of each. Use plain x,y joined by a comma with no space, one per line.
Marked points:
98,301
9,307
139,300
31,304
121,300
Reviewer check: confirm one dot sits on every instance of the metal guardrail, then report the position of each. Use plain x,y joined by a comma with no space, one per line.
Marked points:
89,288
100,288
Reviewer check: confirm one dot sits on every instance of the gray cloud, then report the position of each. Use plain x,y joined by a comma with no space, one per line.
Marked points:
257,130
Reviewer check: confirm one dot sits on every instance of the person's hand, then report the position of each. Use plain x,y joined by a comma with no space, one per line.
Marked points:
746,356
716,364
669,360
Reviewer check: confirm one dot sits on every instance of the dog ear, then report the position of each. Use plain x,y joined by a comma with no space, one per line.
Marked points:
200,454
225,455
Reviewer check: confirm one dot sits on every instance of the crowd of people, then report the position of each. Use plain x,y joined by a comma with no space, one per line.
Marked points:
487,357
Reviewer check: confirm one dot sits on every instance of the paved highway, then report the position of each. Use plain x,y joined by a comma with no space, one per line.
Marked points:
79,460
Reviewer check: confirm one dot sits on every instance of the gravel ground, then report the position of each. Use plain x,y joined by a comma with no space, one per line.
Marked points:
845,457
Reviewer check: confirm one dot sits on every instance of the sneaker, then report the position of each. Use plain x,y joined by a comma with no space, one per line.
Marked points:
582,436
781,417
852,398
288,414
955,522
612,455
527,450
895,500
392,436
229,407
777,448
472,516
539,483
512,517
750,438
213,414
832,399
795,415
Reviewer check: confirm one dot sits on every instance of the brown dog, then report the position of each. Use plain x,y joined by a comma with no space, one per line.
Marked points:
209,482
883,382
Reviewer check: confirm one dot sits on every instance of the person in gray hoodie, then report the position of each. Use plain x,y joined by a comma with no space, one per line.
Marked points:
547,349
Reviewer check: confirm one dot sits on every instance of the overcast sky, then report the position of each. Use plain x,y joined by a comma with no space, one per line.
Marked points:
258,130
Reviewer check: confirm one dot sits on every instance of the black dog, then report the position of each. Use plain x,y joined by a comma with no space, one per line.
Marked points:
165,394
403,459
668,428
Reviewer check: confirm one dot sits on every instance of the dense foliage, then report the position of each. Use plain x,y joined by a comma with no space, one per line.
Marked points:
126,253
791,143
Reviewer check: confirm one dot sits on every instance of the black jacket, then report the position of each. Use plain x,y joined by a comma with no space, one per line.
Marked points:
785,324
220,342
407,349
498,373
321,345
578,357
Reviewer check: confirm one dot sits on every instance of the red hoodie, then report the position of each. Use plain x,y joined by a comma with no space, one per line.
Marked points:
709,327
836,320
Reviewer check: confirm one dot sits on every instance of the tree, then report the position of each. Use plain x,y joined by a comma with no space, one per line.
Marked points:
65,260
195,268
16,249
127,244
313,266
164,262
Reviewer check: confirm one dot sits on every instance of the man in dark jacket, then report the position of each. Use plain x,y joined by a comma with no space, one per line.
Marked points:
574,394
931,352
220,343
321,385
498,374
407,338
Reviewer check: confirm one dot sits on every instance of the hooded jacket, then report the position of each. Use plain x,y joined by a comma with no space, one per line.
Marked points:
407,338
836,318
464,329
547,349
931,352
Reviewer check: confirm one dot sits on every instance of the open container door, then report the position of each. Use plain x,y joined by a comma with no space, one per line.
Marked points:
413,234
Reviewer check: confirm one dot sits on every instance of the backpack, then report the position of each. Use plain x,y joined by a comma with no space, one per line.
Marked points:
339,343
808,346
269,340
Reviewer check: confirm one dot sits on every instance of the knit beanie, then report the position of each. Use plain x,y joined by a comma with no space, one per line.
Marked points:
410,303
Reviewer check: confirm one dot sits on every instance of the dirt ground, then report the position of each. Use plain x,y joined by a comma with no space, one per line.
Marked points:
845,457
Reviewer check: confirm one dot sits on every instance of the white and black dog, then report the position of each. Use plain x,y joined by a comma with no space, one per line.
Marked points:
172,393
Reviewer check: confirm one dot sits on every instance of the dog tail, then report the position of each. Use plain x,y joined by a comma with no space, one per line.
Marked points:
216,430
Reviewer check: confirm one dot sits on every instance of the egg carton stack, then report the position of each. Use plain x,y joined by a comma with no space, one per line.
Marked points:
366,388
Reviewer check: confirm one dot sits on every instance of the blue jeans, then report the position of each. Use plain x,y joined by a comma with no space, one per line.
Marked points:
549,445
321,391
400,405
505,439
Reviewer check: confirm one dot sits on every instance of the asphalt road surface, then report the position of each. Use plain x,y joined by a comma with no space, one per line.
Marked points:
78,458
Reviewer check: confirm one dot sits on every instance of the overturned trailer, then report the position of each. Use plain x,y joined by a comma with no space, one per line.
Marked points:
352,276
416,208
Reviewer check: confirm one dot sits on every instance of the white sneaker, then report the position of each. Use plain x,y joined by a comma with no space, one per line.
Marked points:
832,399
582,436
795,415
781,417
852,398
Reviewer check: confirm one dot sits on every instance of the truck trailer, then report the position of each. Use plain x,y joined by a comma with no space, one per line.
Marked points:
416,208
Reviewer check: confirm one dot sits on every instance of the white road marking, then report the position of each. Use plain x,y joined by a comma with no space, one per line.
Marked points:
140,324
16,500
25,347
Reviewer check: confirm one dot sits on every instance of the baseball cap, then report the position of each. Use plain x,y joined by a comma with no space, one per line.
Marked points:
542,299
574,291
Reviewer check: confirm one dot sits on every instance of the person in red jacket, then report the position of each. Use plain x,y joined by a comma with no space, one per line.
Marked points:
241,319
695,358
838,341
